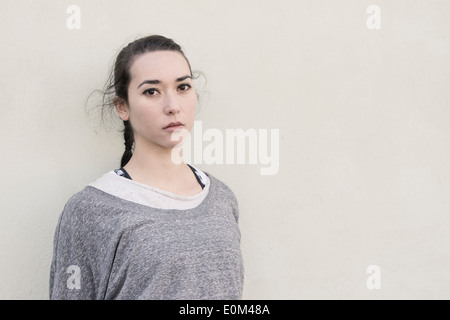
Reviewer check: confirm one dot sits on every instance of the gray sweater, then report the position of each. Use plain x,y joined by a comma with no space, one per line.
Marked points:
109,248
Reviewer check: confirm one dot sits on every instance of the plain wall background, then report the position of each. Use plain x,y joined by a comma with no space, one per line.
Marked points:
364,176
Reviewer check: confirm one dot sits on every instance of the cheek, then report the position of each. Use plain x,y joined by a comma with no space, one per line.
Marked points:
191,104
141,106
189,110
143,117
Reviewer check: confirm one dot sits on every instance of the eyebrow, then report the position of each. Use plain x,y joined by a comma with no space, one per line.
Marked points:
158,82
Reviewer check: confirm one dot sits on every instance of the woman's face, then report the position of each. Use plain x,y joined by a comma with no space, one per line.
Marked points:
161,98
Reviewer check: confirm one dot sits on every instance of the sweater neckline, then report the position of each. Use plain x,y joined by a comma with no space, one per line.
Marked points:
184,212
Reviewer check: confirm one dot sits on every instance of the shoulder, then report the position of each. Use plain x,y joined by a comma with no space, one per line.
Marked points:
220,186
84,204
224,195
87,197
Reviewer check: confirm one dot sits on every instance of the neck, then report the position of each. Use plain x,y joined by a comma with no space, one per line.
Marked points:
153,165
155,160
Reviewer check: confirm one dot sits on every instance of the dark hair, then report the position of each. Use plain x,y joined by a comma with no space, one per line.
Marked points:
119,79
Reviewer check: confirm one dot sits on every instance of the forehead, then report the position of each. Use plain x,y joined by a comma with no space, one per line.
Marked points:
159,65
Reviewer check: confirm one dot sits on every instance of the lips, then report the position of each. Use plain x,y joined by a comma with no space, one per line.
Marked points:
173,125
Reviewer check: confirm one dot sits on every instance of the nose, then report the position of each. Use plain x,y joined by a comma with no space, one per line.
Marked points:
171,104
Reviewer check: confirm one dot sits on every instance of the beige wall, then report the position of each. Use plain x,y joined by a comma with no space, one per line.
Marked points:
363,116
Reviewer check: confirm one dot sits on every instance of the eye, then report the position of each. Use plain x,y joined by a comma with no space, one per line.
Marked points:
184,87
151,92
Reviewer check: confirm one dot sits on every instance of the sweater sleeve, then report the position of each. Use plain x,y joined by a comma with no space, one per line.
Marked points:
71,276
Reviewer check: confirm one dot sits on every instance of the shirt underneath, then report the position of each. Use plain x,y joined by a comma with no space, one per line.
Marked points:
150,196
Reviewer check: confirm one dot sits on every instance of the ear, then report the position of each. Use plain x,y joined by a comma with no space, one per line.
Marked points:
122,108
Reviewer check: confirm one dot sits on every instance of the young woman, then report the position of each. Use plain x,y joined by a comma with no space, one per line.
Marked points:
154,228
